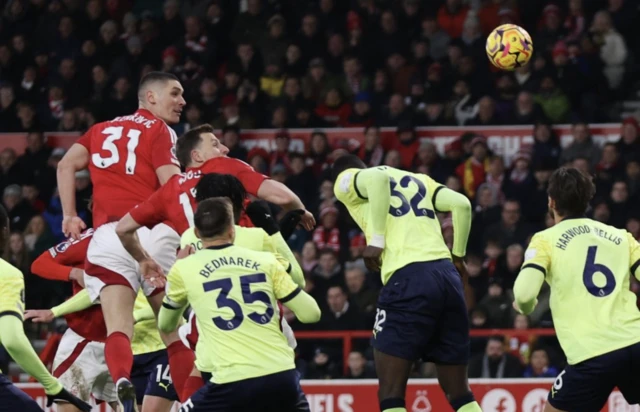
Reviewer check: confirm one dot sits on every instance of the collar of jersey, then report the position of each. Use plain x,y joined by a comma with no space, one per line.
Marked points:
220,246
574,217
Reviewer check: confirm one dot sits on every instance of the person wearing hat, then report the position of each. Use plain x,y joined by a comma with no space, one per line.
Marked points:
317,81
520,182
551,31
473,171
361,115
406,143
280,156
327,233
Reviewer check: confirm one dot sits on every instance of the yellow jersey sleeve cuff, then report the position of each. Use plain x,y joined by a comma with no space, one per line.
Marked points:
291,295
433,198
170,305
377,241
635,266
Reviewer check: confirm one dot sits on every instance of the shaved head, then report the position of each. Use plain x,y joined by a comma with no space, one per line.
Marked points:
161,94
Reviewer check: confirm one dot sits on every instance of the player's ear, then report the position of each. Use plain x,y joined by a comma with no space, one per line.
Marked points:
552,203
151,96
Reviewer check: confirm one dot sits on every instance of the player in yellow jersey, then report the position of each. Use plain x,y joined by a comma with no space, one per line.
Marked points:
588,266
17,344
233,291
421,309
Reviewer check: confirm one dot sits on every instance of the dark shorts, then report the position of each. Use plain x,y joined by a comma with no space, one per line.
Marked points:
279,392
13,399
150,375
586,386
422,314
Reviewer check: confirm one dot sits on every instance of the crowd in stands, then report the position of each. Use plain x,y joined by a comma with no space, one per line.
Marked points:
67,64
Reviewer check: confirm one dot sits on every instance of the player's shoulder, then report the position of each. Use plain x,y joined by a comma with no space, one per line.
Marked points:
344,181
223,163
8,271
249,231
256,255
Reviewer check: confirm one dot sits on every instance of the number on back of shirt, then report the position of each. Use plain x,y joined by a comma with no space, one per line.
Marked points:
224,301
115,133
408,205
591,269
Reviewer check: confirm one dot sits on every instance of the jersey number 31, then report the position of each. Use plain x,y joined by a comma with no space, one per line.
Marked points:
115,133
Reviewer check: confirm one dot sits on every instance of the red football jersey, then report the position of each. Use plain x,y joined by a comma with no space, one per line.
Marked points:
174,203
88,323
124,155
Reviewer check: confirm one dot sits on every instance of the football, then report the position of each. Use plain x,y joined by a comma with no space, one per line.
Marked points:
509,46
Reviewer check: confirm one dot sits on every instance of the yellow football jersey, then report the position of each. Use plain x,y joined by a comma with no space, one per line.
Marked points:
11,292
587,265
413,232
233,291
146,338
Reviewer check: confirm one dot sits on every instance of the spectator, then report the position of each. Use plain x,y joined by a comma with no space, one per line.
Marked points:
508,265
360,294
9,168
321,366
327,234
495,363
486,212
633,178
37,237
620,204
486,114
334,110
438,38
473,171
451,17
319,151
629,143
19,210
231,139
496,304
316,81
609,168
251,24
341,314
551,31
582,146
327,271
32,195
521,340
358,367
361,116
334,55
511,229
520,182
539,366
554,102
273,46
526,110
309,256
546,146
356,247
613,49
231,115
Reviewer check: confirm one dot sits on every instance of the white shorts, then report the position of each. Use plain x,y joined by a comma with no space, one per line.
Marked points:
189,332
81,368
108,263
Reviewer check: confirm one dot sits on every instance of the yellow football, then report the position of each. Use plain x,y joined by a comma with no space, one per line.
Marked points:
509,46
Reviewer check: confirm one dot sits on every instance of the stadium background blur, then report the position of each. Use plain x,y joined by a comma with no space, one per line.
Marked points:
282,64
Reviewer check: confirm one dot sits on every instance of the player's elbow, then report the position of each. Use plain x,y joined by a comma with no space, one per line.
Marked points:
125,227
310,315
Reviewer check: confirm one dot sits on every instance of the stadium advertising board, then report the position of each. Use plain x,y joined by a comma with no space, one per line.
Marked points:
423,395
503,140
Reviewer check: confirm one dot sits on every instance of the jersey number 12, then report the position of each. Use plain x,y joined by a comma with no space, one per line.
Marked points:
115,133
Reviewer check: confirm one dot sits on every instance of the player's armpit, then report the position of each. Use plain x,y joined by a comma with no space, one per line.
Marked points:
165,173
303,306
446,200
79,301
527,287
373,184
16,343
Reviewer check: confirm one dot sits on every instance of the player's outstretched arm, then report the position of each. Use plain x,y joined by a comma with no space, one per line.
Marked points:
303,306
527,288
282,248
16,343
373,184
79,301
77,158
174,302
446,200
279,194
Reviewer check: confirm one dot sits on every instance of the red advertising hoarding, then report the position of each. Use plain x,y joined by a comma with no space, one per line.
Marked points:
503,140
423,395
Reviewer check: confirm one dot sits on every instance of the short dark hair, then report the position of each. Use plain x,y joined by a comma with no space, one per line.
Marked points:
189,141
571,190
346,162
152,77
213,217
219,185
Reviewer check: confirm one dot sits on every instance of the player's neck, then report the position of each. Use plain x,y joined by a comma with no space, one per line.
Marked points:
216,242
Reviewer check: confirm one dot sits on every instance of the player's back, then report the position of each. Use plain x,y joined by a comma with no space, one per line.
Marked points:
594,311
124,154
413,232
253,238
233,291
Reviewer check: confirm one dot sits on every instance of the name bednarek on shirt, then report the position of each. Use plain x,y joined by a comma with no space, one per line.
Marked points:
208,269
575,231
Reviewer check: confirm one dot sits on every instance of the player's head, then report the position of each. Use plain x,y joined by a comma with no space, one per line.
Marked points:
569,192
199,145
219,185
161,94
4,227
346,162
213,220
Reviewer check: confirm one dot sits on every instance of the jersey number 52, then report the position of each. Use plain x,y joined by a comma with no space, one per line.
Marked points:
115,133
224,301
408,205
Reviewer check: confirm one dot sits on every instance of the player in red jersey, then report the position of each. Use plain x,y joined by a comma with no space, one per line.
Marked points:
79,363
129,158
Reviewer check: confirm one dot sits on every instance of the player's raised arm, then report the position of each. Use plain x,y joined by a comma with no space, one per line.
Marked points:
175,300
446,200
373,184
634,256
77,158
293,297
279,194
531,276
78,302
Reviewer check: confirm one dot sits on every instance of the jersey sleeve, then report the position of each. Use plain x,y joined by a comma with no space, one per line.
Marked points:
152,211
634,255
12,294
283,286
175,290
345,188
56,263
251,180
163,152
85,139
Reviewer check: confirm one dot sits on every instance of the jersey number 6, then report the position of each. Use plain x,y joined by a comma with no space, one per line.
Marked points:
407,205
224,301
115,133
590,269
